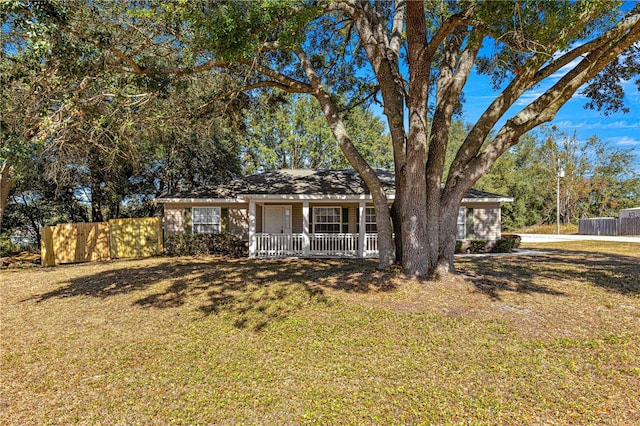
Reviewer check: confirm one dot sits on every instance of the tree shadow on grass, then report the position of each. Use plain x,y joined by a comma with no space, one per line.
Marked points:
615,273
255,292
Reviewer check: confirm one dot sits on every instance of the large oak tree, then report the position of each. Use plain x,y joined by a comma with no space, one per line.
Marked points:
419,56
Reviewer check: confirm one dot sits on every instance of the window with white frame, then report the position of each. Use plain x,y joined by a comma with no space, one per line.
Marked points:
462,224
370,220
327,220
205,220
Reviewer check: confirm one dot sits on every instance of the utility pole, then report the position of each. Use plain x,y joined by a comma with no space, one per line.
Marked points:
559,174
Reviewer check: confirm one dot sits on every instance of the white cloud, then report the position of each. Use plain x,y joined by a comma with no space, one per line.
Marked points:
530,96
624,141
566,124
598,125
565,69
622,124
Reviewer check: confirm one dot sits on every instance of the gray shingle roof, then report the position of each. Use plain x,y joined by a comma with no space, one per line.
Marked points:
300,182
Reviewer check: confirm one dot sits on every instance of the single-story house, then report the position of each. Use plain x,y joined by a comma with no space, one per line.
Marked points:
296,212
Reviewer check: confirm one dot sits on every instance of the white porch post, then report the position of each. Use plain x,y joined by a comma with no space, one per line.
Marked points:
306,243
252,229
362,230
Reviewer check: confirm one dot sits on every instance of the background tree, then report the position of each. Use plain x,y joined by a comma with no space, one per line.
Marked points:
598,181
289,131
111,139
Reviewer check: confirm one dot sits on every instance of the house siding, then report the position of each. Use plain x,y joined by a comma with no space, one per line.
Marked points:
486,217
237,222
173,220
629,213
486,221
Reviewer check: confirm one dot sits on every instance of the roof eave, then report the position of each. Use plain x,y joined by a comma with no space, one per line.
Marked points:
198,200
244,198
488,200
313,197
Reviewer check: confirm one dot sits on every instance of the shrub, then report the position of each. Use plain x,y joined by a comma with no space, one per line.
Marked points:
7,248
517,239
458,246
477,246
194,244
504,245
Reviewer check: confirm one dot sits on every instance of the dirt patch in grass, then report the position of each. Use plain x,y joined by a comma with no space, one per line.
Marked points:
546,339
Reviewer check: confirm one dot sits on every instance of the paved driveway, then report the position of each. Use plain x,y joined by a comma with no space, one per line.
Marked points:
550,238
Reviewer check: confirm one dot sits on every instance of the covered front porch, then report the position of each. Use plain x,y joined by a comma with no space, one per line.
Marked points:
315,245
314,228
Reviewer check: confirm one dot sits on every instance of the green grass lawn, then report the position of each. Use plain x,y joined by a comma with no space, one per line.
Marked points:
549,339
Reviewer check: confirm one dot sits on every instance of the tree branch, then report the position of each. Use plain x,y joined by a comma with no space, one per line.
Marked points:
293,84
400,7
528,78
545,107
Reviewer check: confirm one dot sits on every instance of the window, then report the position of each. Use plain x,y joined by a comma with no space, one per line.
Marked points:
326,220
465,228
462,224
370,220
471,229
206,220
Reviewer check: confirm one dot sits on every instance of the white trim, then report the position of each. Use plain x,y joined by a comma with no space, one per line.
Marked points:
314,197
218,215
315,223
200,200
244,198
488,200
362,208
306,241
252,229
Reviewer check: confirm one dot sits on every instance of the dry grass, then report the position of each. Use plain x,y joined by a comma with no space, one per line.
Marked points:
565,228
551,339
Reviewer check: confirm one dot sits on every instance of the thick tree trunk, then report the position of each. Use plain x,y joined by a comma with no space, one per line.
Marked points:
415,238
397,227
414,229
5,187
448,232
96,200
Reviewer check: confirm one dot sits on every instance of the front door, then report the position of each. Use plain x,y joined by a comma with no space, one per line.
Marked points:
277,219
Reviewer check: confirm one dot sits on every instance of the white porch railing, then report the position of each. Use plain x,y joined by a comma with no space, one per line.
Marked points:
278,245
340,245
325,245
371,245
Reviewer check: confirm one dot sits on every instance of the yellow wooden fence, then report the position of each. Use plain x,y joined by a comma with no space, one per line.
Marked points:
86,242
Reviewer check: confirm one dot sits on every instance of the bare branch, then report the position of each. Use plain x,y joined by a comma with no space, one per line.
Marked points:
400,7
347,6
293,84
